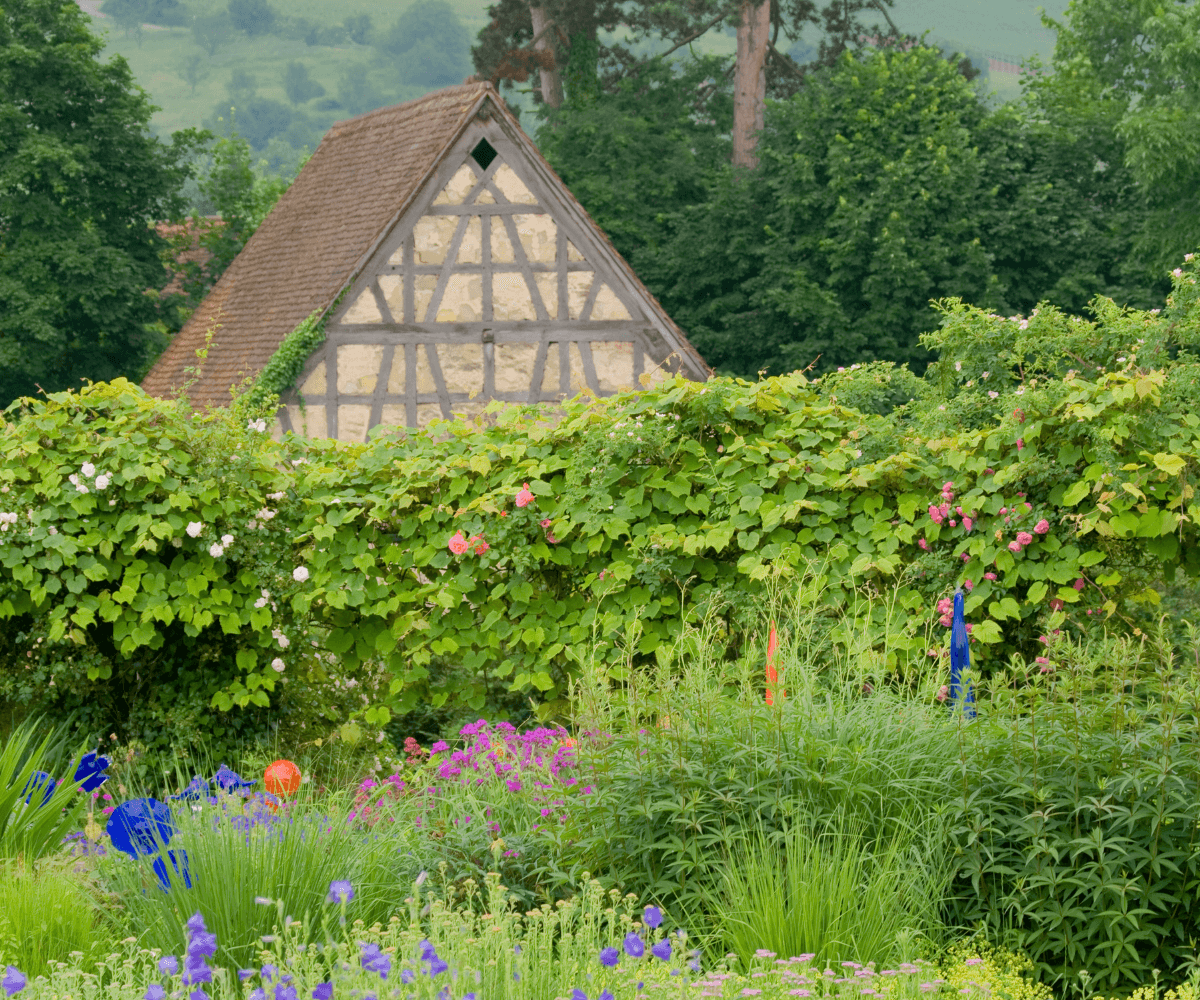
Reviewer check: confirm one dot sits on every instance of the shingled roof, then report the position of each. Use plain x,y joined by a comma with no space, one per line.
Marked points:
324,229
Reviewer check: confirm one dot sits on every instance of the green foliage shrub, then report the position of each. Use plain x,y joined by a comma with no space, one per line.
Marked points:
1076,826
1070,446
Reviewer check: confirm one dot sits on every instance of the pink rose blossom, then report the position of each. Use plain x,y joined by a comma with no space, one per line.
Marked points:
1020,443
935,515
966,557
1056,605
1014,546
943,693
944,510
968,585
989,576
524,497
1024,537
544,522
1041,659
482,547
968,523
953,523
458,544
958,511
1003,510
1042,526
924,545
1079,584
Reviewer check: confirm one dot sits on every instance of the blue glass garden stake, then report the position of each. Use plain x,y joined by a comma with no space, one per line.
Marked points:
961,691
39,781
140,826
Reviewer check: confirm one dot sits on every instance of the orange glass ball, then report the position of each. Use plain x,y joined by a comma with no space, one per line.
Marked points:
282,778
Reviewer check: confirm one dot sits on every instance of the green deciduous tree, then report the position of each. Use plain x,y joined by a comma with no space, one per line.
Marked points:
430,46
646,151
1139,59
82,180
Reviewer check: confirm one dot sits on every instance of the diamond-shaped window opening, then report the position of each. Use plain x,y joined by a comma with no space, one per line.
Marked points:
483,153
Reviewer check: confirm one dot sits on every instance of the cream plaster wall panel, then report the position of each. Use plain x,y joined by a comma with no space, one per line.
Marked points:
608,306
512,187
423,288
314,385
578,376
309,422
352,422
485,197
463,299
551,377
358,367
394,415
548,286
392,286
459,187
614,364
654,375
502,248
462,367
425,382
510,297
538,235
397,256
578,284
470,409
471,249
396,377
514,366
572,253
277,429
431,237
364,309
428,412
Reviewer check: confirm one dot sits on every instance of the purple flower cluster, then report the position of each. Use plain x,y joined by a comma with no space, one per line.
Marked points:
201,946
634,946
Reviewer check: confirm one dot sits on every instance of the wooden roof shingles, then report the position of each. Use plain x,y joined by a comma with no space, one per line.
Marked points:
310,245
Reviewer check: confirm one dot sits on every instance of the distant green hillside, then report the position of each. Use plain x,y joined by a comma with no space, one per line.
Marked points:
355,77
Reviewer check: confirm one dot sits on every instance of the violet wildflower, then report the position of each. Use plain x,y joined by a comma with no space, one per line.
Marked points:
635,947
406,976
270,972
662,949
436,965
168,965
653,916
258,994
578,994
609,957
323,991
604,995
373,960
244,974
14,980
285,991
155,992
340,891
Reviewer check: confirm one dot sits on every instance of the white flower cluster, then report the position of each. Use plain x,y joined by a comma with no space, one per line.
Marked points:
276,496
300,574
88,471
278,665
280,638
257,425
6,519
262,601
194,528
266,514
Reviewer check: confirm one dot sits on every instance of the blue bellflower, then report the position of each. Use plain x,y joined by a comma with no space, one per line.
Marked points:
635,947
373,960
14,980
609,957
653,917
323,991
340,891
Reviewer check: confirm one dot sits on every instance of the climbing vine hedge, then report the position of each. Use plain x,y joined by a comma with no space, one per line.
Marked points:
1047,463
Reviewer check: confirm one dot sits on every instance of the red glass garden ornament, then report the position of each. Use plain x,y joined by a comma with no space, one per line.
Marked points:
282,778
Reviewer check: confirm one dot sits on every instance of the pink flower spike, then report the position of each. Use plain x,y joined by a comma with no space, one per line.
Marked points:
1024,537
968,523
953,523
943,693
968,585
458,544
924,545
1014,546
524,497
1042,526
544,522
1020,443
1041,659
966,557
935,515
1003,510
989,576
1079,584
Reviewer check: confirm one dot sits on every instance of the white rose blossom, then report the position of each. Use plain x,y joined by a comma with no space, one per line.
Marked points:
278,665
194,528
216,550
88,469
227,539
300,574
102,481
